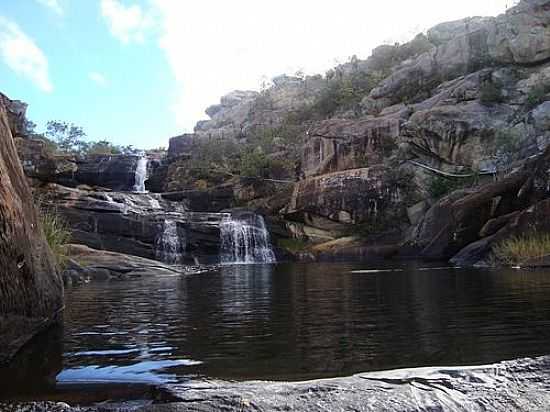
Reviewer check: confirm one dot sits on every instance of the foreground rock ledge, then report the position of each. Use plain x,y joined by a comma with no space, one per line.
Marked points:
518,385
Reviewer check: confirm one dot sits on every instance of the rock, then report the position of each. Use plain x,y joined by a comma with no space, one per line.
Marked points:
445,32
116,172
39,163
352,196
105,265
541,116
15,113
336,144
31,290
466,224
132,223
520,36
417,211
523,387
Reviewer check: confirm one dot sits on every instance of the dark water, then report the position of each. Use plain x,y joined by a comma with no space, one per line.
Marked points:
286,322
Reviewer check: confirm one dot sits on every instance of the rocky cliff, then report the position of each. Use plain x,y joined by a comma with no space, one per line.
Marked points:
377,152
31,292
375,143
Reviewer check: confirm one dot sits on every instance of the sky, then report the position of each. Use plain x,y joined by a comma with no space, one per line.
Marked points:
140,71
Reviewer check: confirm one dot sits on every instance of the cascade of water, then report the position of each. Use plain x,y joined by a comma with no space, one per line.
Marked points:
245,241
141,175
170,244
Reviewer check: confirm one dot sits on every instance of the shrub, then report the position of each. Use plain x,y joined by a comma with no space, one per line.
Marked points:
537,95
292,245
490,93
519,249
57,235
439,186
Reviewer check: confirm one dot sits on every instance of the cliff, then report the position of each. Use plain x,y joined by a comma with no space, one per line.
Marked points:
374,144
31,292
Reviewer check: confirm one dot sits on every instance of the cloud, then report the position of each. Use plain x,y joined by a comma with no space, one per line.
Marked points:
216,46
127,23
20,53
53,5
98,79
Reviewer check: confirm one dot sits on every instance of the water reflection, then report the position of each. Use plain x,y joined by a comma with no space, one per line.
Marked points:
292,322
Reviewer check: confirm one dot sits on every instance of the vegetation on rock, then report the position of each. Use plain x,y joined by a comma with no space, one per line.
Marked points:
57,233
521,249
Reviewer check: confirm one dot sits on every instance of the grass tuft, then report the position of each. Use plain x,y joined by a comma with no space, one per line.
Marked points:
57,233
519,249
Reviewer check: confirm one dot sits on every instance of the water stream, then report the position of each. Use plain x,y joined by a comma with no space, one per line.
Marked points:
141,175
245,240
170,244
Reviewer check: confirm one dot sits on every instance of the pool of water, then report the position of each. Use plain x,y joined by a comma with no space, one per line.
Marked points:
284,322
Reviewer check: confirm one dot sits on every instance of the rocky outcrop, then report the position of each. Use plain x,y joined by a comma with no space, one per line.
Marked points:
133,224
31,291
340,144
87,264
520,36
333,200
115,172
469,223
515,386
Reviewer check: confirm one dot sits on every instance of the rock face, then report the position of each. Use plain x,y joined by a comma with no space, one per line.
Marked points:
31,291
349,197
469,223
133,224
115,172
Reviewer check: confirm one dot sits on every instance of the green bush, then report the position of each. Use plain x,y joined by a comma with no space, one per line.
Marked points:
537,95
519,249
440,186
57,234
292,245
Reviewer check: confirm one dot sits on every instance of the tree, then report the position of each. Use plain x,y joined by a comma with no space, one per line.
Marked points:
68,136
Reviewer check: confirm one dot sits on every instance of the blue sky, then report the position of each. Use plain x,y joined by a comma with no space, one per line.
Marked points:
140,71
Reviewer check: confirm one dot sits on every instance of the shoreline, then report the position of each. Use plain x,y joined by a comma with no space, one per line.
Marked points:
514,385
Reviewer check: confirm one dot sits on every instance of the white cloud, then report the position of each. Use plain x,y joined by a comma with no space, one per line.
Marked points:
53,5
216,46
127,23
98,78
20,53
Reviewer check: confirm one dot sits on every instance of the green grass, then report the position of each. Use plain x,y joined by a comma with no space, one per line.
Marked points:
292,245
519,249
57,234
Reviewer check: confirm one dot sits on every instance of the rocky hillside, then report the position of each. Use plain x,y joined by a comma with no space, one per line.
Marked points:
374,144
31,292
423,149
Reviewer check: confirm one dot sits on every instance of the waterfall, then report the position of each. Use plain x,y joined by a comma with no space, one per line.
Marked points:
141,175
245,240
170,244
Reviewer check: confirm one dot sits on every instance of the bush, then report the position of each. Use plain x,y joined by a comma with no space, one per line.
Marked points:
537,95
519,249
490,93
57,235
440,186
292,245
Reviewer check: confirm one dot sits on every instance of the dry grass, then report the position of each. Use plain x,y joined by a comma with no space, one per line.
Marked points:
519,249
57,233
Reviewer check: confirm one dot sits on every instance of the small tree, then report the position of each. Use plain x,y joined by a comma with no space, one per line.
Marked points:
68,136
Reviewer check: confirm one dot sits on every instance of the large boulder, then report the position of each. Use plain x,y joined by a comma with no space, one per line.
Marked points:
31,291
468,223
347,197
116,172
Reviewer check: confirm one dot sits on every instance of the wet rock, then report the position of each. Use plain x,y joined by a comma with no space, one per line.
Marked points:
31,290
